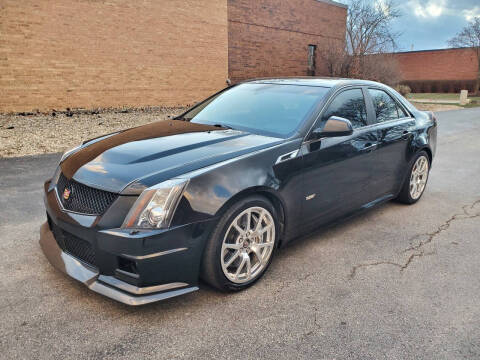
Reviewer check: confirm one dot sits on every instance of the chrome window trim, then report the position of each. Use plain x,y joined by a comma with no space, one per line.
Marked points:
400,120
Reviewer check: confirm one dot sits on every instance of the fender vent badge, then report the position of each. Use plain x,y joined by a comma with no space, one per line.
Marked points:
286,157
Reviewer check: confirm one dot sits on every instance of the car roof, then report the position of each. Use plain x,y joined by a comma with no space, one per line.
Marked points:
312,81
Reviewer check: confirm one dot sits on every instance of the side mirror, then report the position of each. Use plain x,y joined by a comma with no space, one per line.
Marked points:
335,126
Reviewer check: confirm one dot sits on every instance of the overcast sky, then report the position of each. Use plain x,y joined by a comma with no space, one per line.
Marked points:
428,24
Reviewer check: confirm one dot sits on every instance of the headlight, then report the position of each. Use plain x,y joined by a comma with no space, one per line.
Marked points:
155,207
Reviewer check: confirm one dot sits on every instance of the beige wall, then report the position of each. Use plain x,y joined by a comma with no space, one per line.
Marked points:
56,54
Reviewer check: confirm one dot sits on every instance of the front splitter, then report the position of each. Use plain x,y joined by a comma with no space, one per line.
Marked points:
90,276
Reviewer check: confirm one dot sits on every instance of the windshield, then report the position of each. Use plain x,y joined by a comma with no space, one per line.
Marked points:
267,109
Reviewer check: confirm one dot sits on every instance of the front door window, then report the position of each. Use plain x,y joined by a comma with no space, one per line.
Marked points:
349,105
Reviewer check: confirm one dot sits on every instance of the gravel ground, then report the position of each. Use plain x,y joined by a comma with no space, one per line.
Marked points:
435,107
47,133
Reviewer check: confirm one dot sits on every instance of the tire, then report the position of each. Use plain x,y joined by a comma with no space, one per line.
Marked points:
417,176
229,246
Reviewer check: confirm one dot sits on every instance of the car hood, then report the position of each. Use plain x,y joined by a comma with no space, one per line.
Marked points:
146,162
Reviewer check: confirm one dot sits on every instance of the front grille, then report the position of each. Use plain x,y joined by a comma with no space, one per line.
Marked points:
73,245
82,198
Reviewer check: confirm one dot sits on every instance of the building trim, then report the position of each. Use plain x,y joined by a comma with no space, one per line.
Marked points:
432,50
334,3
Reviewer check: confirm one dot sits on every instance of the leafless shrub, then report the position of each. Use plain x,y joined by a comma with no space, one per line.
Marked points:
446,86
403,89
380,67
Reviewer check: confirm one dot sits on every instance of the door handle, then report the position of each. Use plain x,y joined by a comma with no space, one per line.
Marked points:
370,147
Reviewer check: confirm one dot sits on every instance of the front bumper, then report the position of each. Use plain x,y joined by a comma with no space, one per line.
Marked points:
133,267
103,284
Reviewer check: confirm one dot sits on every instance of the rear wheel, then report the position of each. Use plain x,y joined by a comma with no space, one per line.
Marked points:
242,244
416,181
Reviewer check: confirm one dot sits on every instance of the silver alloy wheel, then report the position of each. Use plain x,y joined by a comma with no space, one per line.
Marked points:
418,177
248,245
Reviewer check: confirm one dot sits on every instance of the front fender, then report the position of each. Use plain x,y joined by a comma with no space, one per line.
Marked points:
213,188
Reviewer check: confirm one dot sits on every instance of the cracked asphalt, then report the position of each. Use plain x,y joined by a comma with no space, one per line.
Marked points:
397,282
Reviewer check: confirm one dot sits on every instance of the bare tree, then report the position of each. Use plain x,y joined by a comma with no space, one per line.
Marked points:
369,30
369,27
368,34
469,37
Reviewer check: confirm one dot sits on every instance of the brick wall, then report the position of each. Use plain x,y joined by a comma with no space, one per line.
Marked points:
450,64
271,38
98,53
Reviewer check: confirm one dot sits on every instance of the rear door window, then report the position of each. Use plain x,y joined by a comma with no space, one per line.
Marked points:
385,107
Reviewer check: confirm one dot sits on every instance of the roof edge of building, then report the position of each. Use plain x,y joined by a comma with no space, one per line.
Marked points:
335,3
431,50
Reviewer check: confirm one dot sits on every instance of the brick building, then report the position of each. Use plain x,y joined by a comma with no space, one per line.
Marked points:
88,54
445,70
277,38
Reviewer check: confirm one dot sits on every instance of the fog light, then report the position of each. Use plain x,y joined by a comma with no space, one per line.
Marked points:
127,267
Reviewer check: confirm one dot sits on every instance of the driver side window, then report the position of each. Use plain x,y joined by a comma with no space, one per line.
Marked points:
349,104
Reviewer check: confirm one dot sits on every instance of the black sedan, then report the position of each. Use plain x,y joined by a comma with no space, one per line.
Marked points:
143,214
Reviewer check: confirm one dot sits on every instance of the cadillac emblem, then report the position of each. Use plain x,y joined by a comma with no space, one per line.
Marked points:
66,193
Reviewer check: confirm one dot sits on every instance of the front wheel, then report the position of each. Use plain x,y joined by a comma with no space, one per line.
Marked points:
416,181
242,244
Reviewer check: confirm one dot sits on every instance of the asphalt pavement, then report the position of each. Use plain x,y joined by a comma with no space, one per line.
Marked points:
397,282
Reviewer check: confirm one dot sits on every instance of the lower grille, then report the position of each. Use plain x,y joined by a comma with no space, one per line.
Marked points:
79,248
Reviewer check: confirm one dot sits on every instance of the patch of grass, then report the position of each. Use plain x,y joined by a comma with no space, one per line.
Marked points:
474,100
440,96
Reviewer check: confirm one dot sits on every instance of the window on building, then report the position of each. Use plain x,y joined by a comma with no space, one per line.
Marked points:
311,59
349,105
385,107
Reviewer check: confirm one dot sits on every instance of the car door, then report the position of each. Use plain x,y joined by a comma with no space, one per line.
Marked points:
337,170
393,125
